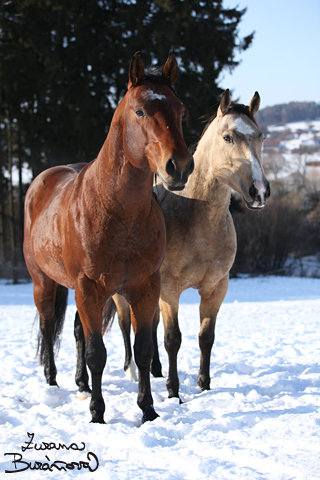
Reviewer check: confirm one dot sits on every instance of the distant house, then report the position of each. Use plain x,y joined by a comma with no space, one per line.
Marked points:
272,144
313,163
300,131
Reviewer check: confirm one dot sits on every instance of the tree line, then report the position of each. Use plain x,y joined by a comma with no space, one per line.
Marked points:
63,70
288,112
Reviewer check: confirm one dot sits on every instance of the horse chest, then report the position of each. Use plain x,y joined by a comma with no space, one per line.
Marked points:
201,257
120,251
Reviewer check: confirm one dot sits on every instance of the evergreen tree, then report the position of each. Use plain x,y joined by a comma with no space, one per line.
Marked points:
64,67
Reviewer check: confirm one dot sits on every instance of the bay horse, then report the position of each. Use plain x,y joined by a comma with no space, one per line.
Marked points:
201,238
99,230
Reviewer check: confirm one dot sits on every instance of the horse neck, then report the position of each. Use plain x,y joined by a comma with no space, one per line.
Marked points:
116,178
203,184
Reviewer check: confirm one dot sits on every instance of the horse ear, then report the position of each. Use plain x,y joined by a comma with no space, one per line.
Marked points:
136,70
225,103
254,103
170,69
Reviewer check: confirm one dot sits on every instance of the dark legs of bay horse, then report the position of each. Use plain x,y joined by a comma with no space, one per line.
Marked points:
51,302
93,353
90,306
124,318
142,313
82,377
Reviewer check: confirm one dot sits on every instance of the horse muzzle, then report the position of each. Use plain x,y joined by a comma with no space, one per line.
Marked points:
259,193
174,177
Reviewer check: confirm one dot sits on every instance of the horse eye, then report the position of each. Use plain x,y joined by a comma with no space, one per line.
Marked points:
140,113
183,113
227,138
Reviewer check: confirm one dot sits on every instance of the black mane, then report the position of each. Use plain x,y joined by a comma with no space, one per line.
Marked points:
234,108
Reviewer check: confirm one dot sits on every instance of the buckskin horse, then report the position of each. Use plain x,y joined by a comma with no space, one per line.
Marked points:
201,239
99,230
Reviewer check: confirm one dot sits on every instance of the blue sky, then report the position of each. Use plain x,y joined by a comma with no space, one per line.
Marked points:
283,63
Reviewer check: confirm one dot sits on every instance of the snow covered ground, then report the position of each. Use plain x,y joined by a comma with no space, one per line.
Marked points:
260,420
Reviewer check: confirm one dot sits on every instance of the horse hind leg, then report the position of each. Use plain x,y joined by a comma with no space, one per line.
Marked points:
81,377
51,302
156,367
124,319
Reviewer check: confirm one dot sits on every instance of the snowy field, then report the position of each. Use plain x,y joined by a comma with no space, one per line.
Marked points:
260,420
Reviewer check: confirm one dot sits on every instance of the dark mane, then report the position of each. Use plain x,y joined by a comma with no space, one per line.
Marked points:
234,108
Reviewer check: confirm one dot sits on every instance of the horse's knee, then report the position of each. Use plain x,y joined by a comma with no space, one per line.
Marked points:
172,339
206,339
96,354
143,348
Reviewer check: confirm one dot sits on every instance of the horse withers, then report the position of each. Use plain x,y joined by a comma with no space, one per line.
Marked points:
201,239
99,230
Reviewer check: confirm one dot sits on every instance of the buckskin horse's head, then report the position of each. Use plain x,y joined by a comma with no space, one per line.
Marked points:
238,145
153,135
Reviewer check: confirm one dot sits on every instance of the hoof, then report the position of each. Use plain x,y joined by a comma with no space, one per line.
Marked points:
52,383
149,414
130,372
176,396
83,395
203,382
97,419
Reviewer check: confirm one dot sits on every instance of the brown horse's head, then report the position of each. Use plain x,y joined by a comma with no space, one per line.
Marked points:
237,149
153,135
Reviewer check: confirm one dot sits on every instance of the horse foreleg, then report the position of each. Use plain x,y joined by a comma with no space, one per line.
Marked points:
90,309
124,318
209,308
96,357
81,377
156,367
142,312
172,342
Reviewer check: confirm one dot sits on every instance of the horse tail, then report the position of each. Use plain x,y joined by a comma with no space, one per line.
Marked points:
60,307
109,313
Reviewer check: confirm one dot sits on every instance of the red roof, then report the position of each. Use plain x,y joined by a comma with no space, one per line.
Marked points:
271,142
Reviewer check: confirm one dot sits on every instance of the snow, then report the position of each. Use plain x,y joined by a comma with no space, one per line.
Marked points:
294,126
260,420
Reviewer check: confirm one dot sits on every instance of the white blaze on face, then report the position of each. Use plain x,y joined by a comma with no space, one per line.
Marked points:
257,177
239,125
150,95
242,127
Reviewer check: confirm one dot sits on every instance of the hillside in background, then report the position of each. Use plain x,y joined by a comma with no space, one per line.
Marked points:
288,112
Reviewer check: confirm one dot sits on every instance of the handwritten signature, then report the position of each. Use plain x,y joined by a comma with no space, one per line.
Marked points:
21,465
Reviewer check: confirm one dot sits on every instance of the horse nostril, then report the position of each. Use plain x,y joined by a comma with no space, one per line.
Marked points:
253,192
190,166
170,167
268,192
